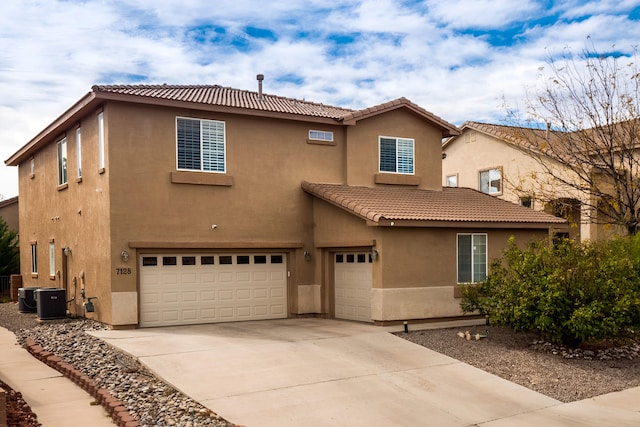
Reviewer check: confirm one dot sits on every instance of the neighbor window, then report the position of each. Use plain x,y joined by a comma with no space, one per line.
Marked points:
79,152
320,135
472,258
201,145
34,258
491,181
101,141
452,181
526,201
396,155
52,259
62,162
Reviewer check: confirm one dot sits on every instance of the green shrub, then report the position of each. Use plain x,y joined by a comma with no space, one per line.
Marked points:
569,292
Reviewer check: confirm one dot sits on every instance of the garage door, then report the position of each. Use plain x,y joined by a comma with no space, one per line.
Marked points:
178,289
353,281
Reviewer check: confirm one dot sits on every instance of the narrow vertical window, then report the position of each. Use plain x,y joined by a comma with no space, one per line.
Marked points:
79,152
62,162
472,258
34,258
52,259
101,141
32,167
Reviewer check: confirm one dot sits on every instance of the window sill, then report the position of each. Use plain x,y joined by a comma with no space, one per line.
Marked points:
52,277
79,179
63,186
101,171
319,142
397,179
32,175
201,178
34,275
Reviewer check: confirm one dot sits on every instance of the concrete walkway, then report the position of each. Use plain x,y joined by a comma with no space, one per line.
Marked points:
56,400
316,372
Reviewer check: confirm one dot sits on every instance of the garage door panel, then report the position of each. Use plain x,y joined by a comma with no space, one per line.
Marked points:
211,288
353,283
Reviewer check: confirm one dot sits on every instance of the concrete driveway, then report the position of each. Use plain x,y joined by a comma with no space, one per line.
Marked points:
317,372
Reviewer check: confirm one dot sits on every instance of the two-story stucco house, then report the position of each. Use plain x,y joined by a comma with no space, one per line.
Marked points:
495,160
171,205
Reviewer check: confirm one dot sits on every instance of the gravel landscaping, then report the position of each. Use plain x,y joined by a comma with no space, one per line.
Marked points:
557,372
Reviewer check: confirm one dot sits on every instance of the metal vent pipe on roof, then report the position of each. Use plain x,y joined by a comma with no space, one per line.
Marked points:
260,78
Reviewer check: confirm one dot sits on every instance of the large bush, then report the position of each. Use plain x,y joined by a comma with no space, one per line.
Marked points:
569,292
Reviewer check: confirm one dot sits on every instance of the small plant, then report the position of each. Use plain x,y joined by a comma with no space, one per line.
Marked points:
567,291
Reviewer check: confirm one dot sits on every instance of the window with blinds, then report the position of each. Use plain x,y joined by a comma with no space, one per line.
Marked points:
396,155
200,145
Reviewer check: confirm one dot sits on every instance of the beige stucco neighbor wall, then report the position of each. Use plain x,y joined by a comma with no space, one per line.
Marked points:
473,152
9,212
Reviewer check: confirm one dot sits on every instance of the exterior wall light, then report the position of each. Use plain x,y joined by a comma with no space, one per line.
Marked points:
124,255
307,256
374,254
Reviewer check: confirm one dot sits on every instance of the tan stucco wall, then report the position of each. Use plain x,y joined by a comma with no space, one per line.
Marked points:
363,149
75,215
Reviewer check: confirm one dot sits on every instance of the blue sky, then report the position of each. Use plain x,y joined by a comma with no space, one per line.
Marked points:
459,59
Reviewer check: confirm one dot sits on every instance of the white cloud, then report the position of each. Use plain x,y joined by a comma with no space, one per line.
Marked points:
346,52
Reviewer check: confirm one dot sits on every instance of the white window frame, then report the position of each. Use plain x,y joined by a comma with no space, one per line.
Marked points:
63,162
52,259
320,135
79,152
488,171
214,124
101,157
476,258
34,258
449,180
400,145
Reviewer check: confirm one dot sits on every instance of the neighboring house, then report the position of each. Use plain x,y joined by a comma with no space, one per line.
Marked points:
493,159
9,213
172,205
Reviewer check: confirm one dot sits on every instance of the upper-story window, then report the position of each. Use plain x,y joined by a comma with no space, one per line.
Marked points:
201,145
320,135
101,141
62,162
396,155
452,180
491,181
79,152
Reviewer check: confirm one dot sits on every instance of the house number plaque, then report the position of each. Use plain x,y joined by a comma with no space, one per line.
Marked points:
126,270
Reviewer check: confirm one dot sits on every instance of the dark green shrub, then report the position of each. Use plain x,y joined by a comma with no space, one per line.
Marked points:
568,292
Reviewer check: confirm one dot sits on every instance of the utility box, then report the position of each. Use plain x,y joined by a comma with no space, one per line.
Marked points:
26,300
51,303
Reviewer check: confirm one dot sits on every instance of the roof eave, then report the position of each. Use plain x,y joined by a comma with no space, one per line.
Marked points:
71,115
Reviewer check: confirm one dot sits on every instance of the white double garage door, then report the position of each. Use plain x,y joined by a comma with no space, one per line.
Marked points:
183,289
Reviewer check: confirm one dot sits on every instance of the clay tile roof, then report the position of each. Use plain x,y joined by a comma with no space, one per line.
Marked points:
226,97
450,204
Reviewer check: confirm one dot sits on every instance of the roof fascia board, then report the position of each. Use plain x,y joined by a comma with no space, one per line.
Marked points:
52,131
466,224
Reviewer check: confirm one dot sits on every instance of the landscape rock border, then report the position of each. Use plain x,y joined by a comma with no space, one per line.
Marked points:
114,407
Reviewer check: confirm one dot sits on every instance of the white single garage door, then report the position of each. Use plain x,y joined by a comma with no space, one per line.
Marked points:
182,289
353,282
